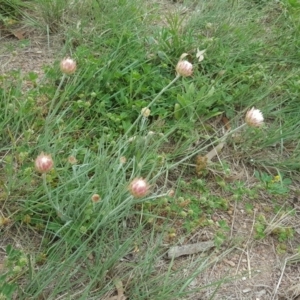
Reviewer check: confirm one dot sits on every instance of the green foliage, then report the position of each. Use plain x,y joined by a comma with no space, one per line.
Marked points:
275,185
221,234
126,56
260,227
292,3
15,264
276,228
171,40
249,208
283,233
239,190
10,10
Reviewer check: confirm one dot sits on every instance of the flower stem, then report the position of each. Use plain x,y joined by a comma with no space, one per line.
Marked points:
219,141
57,92
152,102
50,112
45,186
48,192
163,90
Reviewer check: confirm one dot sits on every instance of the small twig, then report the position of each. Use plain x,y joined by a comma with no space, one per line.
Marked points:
248,262
233,219
280,222
294,258
7,62
215,151
280,279
248,258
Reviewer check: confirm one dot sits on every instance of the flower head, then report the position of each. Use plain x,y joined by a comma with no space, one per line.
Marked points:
72,160
184,68
254,117
123,160
132,138
171,193
145,112
200,54
43,163
68,66
150,133
139,188
96,198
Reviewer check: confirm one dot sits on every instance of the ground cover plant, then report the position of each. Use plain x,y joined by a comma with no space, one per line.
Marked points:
150,126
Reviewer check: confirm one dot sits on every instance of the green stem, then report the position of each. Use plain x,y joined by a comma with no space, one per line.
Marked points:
57,93
163,90
220,140
45,185
48,119
152,102
44,176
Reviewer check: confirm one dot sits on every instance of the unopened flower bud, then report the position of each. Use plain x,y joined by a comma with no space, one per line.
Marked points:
123,160
151,133
68,66
254,117
72,160
145,112
43,163
131,139
4,221
17,269
172,235
139,188
183,214
83,229
96,198
208,25
171,193
184,68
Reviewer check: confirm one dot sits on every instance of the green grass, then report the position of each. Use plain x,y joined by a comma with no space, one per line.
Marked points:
126,55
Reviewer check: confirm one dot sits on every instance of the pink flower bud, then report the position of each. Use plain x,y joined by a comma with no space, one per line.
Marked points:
139,188
68,66
43,163
184,68
254,117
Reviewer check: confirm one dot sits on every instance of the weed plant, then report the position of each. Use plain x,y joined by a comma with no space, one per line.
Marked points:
90,122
